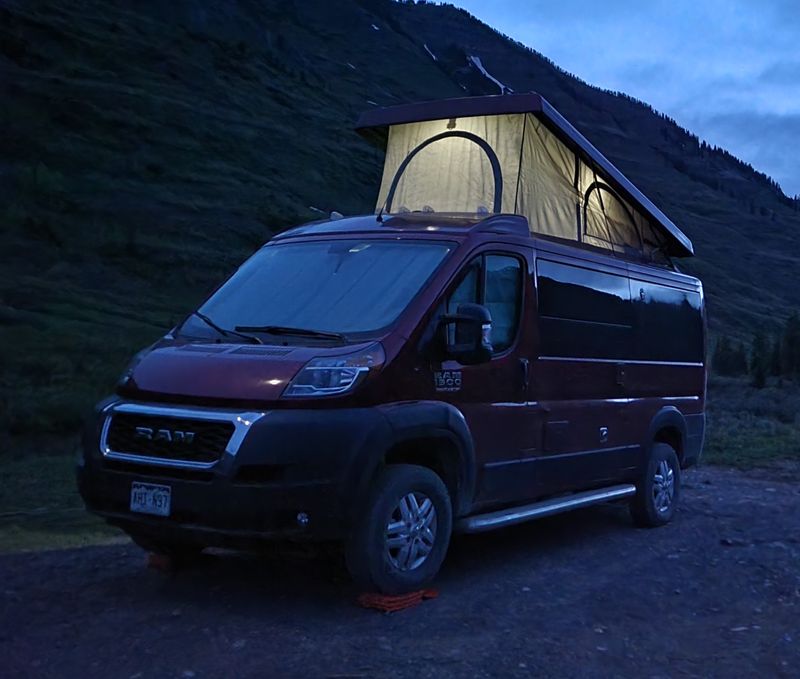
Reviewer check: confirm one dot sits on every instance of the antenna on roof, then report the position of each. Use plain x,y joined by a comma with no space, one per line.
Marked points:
379,218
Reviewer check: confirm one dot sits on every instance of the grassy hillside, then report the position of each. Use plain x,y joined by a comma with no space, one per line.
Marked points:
148,147
145,153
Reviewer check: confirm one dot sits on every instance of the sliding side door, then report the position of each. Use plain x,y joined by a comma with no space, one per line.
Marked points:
585,333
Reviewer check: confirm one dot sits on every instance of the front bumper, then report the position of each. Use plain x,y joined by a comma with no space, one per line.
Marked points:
288,462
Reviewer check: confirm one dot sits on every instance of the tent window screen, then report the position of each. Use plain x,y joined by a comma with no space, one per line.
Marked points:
608,221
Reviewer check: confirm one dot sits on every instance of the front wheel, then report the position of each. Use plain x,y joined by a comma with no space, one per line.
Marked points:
658,489
401,535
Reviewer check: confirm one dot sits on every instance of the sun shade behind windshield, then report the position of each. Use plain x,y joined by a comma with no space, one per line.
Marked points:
342,286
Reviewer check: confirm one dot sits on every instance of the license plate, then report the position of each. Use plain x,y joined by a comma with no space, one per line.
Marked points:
149,498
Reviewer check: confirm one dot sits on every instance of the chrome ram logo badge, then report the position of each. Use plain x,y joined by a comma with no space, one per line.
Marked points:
172,436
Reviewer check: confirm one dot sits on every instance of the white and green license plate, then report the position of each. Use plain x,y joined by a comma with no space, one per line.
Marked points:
150,498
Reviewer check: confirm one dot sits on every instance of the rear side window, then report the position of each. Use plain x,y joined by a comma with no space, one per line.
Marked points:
583,313
669,323
496,282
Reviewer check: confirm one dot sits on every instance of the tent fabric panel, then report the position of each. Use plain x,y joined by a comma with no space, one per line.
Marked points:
674,239
466,186
452,165
452,174
373,125
546,194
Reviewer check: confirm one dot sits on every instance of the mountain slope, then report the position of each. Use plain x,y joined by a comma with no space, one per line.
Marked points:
149,147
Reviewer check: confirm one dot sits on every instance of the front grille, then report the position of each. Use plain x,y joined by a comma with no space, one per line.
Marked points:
168,437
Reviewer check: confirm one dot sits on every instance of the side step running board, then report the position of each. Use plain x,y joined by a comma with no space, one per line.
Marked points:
513,515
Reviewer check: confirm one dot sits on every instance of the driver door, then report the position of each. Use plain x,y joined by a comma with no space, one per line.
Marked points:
493,396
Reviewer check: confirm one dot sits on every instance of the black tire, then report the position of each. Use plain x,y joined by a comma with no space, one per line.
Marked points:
181,553
647,509
373,564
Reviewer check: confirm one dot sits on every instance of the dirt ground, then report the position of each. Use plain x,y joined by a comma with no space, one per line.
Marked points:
716,593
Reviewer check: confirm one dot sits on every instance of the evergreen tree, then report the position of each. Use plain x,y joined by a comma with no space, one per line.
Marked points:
759,360
728,359
790,347
721,360
739,360
775,357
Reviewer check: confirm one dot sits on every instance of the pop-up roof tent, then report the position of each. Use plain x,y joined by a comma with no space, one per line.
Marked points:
514,154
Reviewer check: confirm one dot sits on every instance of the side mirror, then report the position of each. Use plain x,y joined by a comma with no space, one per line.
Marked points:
468,334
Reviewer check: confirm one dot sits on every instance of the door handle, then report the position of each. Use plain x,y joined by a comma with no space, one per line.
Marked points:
621,374
525,365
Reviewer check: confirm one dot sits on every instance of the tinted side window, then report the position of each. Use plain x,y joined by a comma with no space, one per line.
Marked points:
496,282
468,290
583,313
669,323
502,296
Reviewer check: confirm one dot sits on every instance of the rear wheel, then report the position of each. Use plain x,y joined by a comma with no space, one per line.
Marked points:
658,490
401,535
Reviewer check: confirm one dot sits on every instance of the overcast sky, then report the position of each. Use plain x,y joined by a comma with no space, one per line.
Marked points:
727,70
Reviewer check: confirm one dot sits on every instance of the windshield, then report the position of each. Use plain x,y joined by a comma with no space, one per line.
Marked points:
341,286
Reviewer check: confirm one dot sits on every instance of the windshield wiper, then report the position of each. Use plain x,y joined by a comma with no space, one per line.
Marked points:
223,331
299,332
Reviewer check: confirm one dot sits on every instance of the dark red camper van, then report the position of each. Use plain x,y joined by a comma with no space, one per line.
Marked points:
505,338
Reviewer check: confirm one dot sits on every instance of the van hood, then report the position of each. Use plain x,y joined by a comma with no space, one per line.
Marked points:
243,372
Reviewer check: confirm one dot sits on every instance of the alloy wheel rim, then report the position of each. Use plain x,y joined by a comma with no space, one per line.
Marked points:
411,531
663,487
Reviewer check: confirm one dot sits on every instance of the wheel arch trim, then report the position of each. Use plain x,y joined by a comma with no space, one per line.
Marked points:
668,417
419,420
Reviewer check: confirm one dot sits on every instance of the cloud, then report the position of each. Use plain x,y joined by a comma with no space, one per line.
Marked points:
782,72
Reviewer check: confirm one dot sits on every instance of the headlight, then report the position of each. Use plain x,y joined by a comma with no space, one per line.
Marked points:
327,376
